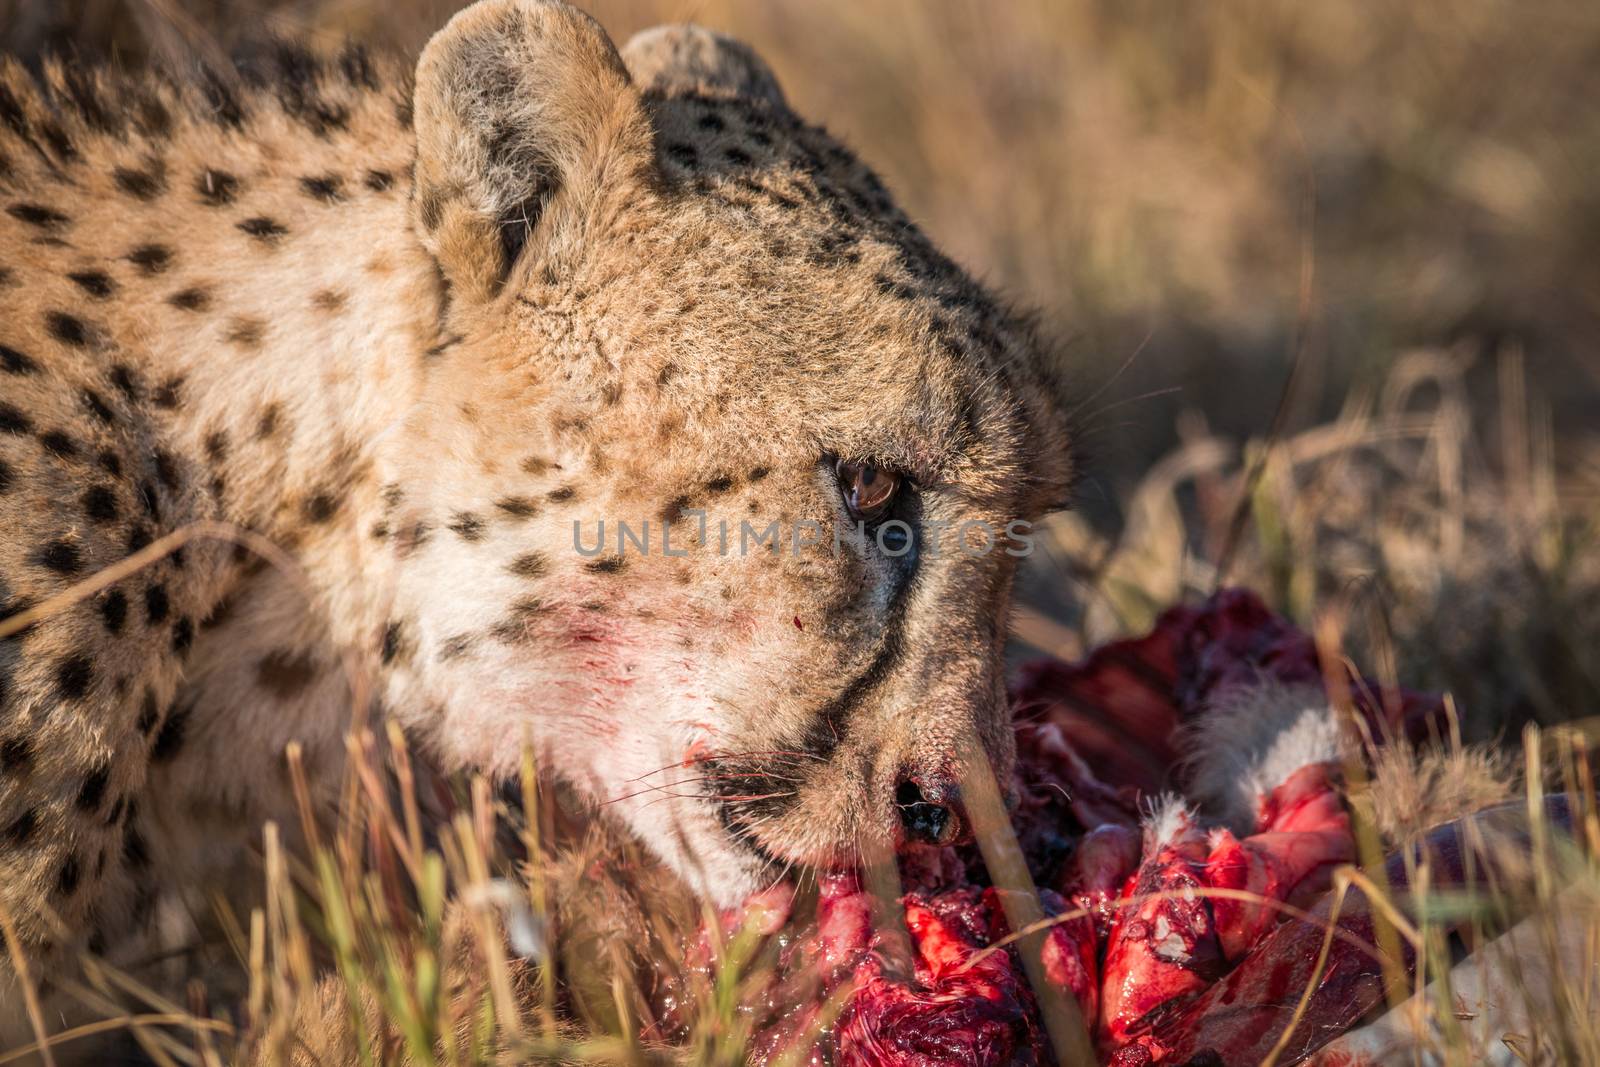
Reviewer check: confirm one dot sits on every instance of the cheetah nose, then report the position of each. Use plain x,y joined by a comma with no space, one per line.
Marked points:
930,812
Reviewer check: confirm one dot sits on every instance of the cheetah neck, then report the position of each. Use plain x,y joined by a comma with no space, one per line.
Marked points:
329,360
293,322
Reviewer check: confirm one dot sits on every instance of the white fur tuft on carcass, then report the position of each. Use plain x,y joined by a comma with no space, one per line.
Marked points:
1249,741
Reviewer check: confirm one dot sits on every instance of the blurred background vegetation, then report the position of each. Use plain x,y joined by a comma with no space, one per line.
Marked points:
1326,274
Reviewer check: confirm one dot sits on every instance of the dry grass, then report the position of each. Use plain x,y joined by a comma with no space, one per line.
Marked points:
1368,527
1397,201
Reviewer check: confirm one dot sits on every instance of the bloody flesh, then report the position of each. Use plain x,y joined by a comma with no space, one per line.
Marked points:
1174,942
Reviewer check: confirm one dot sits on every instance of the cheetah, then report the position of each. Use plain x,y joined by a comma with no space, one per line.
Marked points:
331,389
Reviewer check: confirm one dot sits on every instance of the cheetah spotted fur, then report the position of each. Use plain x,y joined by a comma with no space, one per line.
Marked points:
411,327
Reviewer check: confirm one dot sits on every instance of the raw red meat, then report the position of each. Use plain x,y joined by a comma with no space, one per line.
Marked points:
1163,946
1161,968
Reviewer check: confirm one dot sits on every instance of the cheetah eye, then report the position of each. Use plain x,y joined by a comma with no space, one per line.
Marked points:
868,490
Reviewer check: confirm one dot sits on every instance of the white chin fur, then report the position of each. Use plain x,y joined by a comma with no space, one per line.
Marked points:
1250,741
688,837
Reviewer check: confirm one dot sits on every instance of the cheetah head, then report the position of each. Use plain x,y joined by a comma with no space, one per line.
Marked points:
690,329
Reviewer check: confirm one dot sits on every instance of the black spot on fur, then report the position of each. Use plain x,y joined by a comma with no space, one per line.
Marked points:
216,446
156,604
100,504
171,737
93,789
96,283
757,473
122,377
713,122
737,156
138,538
222,611
675,508
411,538
12,114
719,485
216,187
518,507
356,66
894,287
529,565
263,229
566,492
151,116
295,75
222,104
74,676
59,444
62,557
114,611
467,526
328,188
38,215
96,405
13,420
683,155
110,463
169,394
14,362
16,755
135,853
320,508
140,184
20,829
193,299
514,628
267,423
67,329
455,647
167,469
245,331
328,300
379,180
60,144
67,877
6,477
151,502
609,565
435,351
149,712
391,643
430,210
151,259
182,635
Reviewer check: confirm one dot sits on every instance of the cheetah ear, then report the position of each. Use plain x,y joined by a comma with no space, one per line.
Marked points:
526,121
689,58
